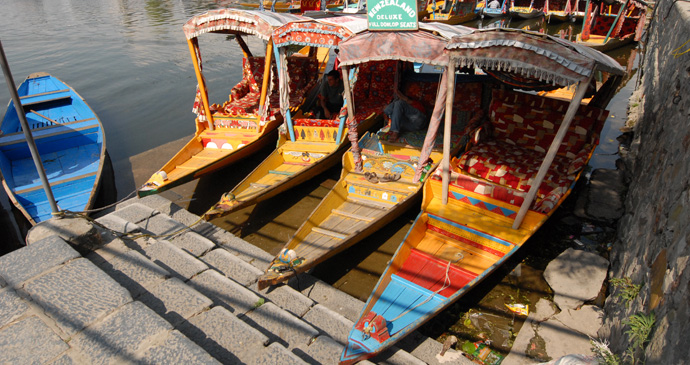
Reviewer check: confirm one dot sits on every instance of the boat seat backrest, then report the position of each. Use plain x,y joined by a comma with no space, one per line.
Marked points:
375,81
531,122
303,73
602,24
629,26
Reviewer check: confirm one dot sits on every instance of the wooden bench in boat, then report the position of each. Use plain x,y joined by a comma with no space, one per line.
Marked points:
47,97
429,272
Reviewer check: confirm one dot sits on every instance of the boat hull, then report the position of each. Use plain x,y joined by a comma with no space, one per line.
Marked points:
208,160
601,46
70,140
526,14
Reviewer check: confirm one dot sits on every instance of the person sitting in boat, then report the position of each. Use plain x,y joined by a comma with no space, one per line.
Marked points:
494,4
330,95
405,115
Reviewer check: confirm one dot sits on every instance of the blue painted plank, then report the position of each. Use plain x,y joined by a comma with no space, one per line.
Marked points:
402,296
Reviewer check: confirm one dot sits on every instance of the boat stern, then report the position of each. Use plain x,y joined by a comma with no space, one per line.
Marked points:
359,348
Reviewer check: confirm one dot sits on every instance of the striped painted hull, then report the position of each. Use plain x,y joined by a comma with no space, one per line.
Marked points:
355,208
291,164
448,251
70,140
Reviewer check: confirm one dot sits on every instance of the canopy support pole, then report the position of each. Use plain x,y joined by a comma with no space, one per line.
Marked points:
245,50
288,116
27,132
350,117
445,163
200,82
553,149
615,22
347,76
264,82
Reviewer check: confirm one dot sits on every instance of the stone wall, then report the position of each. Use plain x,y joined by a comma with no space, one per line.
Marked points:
652,247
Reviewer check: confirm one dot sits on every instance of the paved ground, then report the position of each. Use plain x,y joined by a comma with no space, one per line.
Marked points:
189,298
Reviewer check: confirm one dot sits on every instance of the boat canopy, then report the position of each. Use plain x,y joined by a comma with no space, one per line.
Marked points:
236,21
543,58
424,46
326,32
528,55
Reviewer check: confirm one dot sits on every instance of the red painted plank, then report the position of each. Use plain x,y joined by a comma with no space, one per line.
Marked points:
430,272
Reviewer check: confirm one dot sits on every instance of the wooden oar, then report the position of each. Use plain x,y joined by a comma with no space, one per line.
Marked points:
43,116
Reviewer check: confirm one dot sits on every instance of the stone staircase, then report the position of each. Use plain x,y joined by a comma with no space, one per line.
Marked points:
191,298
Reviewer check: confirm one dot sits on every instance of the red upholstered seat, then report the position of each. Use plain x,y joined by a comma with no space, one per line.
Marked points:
429,272
524,126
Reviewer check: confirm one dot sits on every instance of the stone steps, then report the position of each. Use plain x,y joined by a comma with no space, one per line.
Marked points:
195,290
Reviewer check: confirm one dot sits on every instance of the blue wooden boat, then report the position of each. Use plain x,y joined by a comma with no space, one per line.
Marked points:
476,210
70,139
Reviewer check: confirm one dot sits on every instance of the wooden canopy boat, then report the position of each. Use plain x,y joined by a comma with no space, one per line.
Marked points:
482,207
246,122
496,8
450,11
297,6
607,27
360,204
310,146
558,11
527,9
70,139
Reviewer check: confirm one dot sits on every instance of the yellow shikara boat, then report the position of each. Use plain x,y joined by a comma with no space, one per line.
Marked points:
377,183
311,146
608,27
248,121
451,11
480,208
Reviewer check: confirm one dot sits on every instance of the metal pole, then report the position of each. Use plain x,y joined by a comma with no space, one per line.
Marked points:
27,132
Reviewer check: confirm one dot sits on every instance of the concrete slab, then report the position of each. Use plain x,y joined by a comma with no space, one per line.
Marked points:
428,349
121,334
561,340
324,350
135,272
118,224
329,322
328,296
175,301
278,354
232,266
70,357
135,213
79,232
76,295
225,337
287,298
225,292
177,349
161,225
576,276
243,249
193,243
27,262
396,356
543,310
12,306
280,326
176,261
29,341
586,320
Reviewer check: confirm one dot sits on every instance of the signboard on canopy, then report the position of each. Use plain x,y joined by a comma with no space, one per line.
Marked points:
392,15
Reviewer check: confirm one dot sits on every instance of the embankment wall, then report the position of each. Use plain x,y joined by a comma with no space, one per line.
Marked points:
654,234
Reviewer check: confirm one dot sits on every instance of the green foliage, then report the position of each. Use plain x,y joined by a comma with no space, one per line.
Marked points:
641,326
259,303
627,290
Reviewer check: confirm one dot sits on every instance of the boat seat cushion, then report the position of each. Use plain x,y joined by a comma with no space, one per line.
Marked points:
516,167
303,73
602,24
429,272
246,94
532,121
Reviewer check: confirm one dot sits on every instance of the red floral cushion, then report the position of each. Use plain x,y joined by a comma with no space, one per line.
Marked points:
531,121
515,167
317,123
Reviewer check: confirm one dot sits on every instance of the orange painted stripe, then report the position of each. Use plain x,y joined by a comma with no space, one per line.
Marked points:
465,240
